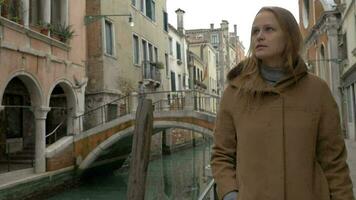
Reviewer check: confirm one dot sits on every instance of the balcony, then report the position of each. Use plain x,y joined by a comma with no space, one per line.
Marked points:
151,73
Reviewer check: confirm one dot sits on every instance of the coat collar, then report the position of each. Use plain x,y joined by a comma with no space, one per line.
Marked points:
300,70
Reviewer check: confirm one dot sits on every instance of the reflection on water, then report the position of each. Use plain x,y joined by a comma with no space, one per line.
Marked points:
182,175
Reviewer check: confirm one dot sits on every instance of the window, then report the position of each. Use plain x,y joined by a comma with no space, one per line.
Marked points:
142,5
179,87
173,81
167,63
179,57
56,12
136,50
349,96
133,2
156,54
150,9
153,11
109,40
170,46
343,46
214,38
150,52
144,50
12,9
165,21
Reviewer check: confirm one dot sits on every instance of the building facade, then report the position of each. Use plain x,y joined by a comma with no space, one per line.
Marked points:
43,77
221,39
177,70
120,56
328,28
347,52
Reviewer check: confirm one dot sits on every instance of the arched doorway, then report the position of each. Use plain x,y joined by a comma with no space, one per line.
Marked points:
59,121
56,122
17,128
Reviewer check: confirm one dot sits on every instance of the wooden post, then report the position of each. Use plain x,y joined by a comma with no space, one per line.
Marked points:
140,150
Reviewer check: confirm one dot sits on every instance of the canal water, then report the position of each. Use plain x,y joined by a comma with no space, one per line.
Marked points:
183,175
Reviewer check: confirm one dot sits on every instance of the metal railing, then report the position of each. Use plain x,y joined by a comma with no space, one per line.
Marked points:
14,156
105,113
209,192
151,71
184,100
53,136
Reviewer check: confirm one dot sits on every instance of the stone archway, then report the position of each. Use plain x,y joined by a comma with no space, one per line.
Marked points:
59,121
18,125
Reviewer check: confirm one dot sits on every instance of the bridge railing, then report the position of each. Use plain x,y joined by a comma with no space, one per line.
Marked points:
104,113
209,192
184,100
162,101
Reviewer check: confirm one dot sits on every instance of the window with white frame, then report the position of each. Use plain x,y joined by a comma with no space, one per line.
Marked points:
109,39
150,52
150,9
165,21
214,38
136,50
179,56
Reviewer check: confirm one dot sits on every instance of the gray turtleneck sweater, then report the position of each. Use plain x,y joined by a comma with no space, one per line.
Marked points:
272,74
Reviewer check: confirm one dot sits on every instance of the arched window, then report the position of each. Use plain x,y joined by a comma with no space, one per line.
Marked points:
305,13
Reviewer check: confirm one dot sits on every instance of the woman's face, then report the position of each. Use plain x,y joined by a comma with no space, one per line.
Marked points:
268,39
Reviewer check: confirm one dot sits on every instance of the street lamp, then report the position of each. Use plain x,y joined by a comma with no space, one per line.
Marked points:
91,18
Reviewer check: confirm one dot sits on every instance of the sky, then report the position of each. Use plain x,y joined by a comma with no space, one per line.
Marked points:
199,14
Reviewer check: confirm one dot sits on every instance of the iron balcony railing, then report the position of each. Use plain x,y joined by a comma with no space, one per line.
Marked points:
151,71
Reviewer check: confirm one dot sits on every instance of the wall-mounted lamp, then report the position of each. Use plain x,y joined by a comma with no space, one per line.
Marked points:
91,18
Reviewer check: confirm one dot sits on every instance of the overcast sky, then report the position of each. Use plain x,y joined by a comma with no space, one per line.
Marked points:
201,13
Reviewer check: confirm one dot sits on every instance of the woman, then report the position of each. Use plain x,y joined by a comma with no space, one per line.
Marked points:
278,133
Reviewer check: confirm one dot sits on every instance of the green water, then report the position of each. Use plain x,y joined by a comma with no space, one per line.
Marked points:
179,176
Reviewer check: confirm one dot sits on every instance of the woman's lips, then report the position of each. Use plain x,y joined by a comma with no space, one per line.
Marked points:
260,47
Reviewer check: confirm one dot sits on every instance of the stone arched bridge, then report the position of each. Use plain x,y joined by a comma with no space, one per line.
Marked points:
101,135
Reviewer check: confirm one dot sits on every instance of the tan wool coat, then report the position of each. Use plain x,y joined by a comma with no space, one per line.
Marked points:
289,146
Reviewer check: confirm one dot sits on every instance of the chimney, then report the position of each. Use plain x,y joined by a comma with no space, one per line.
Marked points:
235,29
224,24
211,26
180,20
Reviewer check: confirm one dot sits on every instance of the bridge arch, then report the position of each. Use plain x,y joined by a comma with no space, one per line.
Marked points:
199,122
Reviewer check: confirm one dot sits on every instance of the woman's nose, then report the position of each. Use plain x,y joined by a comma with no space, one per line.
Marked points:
260,35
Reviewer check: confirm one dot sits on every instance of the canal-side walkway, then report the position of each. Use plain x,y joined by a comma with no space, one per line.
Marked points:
351,159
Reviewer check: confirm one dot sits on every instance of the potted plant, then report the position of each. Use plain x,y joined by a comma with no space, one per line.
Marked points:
158,65
15,9
4,8
64,32
43,27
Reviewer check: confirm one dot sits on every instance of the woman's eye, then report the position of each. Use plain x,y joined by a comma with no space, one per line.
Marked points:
255,31
269,29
